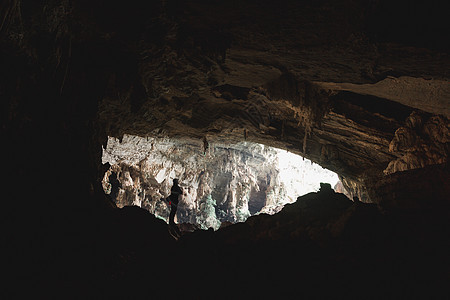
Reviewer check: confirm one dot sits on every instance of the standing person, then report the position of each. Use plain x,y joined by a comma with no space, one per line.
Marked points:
175,193
115,186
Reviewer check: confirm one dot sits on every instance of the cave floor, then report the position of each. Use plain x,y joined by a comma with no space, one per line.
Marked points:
323,245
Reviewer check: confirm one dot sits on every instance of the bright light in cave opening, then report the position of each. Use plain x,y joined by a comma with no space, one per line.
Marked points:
227,183
300,175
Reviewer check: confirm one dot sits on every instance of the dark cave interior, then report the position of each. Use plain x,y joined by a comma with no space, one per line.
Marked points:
359,87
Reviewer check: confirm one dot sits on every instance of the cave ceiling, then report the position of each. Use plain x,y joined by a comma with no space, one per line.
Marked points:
360,87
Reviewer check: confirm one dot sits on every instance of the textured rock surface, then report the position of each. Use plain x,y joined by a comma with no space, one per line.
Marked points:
225,183
406,90
331,80
422,141
334,80
314,83
342,131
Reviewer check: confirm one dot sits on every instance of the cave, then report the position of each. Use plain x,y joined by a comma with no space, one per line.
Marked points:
360,88
222,183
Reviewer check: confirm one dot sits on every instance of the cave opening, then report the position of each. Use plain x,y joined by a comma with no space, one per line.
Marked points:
359,87
222,183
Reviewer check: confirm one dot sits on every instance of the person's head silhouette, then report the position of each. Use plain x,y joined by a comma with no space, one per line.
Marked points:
175,181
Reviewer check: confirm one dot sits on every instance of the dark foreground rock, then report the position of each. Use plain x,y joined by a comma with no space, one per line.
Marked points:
324,245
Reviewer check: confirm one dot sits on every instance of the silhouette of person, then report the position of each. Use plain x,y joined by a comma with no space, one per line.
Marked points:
175,192
115,186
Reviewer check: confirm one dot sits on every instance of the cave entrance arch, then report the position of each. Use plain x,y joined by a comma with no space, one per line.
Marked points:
222,182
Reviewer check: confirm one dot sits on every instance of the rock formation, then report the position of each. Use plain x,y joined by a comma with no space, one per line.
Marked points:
225,183
359,87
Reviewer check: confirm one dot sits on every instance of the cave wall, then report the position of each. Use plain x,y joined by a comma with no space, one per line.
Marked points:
342,109
284,74
308,77
222,183
326,80
341,130
217,182
300,75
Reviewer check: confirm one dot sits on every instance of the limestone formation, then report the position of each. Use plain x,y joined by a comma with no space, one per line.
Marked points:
360,87
227,183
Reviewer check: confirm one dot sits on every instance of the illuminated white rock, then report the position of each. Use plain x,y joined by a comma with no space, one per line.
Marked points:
228,183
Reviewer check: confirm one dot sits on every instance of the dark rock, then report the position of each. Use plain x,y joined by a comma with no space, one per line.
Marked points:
332,80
